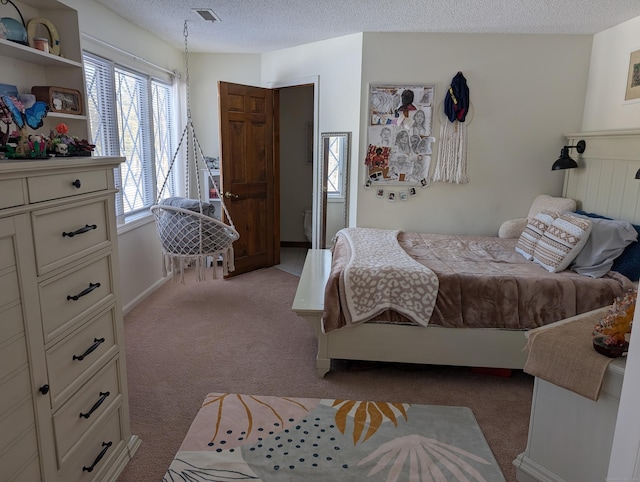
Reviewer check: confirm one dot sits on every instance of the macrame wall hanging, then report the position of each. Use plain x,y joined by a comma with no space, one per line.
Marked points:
451,165
188,233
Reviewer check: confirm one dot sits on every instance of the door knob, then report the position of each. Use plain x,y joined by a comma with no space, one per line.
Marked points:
230,195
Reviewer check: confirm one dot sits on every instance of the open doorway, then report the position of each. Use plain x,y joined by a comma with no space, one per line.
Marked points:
297,126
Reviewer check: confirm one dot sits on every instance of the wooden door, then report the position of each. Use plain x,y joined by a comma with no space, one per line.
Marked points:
249,172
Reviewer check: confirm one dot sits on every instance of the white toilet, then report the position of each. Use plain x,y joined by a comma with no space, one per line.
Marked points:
308,227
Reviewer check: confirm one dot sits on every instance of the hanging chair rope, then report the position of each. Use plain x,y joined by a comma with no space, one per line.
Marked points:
188,236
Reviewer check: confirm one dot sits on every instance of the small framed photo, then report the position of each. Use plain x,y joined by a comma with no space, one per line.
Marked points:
412,191
633,78
376,176
380,192
367,184
424,182
391,197
403,195
59,99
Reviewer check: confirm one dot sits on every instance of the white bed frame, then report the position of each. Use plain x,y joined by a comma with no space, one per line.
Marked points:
604,183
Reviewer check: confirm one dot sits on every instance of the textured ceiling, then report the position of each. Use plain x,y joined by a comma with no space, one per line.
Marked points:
257,26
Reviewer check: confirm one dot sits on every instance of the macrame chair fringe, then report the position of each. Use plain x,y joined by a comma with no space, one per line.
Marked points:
451,165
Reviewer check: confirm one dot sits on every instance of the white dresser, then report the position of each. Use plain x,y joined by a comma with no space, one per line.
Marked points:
63,394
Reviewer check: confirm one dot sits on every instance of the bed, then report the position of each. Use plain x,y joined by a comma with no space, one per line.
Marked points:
465,331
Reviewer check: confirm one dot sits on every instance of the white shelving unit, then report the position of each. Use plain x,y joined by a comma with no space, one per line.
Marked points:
208,193
25,67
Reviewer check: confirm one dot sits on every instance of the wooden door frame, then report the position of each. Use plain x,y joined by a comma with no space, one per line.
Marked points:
317,204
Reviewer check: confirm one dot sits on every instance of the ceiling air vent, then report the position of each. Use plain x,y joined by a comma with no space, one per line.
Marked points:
207,14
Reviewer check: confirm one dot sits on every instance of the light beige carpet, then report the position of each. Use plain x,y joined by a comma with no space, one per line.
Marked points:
240,336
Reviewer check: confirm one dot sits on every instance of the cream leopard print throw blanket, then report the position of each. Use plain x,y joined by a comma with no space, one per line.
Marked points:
380,275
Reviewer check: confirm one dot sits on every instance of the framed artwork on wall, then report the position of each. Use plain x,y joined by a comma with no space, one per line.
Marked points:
633,78
399,132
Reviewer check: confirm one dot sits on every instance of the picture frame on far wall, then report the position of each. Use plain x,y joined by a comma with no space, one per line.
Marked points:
633,78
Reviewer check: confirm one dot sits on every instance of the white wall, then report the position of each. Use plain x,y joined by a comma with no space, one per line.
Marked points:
605,107
205,71
337,64
102,23
526,92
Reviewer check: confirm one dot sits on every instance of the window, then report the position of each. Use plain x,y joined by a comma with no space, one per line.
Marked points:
131,115
335,152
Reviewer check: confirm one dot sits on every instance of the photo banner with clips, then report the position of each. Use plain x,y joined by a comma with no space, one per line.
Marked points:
399,136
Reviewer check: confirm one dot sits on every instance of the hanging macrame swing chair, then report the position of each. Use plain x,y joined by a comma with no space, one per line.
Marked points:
187,233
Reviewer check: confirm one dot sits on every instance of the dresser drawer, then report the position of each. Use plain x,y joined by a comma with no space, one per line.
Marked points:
66,233
85,407
43,188
104,438
11,193
71,295
79,355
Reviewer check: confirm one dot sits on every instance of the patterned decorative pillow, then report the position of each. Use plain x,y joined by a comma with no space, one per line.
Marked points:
533,231
561,243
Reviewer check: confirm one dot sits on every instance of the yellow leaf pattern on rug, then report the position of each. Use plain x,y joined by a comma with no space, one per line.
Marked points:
371,414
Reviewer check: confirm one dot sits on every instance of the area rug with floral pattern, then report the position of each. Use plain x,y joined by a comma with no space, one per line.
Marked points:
263,438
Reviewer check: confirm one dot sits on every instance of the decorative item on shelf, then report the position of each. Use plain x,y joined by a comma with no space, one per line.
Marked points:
12,29
35,37
62,144
59,99
611,334
20,144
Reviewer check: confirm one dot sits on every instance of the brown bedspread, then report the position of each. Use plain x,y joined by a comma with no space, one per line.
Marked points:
484,283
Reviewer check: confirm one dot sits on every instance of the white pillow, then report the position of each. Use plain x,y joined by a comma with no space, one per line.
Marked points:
532,233
607,241
561,243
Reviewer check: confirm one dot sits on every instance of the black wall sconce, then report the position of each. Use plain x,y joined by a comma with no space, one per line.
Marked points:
565,161
638,174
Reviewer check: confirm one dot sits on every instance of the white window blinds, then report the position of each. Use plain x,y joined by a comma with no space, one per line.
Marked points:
131,115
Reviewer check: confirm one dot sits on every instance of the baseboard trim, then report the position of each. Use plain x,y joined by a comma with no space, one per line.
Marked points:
295,244
530,471
136,301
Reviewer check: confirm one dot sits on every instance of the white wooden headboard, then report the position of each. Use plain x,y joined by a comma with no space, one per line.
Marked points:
604,182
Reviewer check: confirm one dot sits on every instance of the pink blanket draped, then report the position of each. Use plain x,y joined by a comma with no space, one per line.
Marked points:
484,283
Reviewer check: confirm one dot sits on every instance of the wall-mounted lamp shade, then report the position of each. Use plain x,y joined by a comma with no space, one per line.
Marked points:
638,174
565,161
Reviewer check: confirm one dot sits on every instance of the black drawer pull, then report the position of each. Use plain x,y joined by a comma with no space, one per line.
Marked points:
106,446
103,397
76,183
86,291
44,389
88,227
96,344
